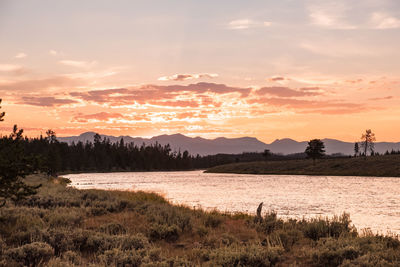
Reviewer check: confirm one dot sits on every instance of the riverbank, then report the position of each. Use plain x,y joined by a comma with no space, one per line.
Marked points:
380,166
63,226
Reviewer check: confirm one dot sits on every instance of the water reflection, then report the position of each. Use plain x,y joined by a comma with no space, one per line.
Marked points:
371,202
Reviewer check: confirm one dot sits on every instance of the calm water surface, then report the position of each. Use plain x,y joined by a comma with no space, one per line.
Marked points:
372,202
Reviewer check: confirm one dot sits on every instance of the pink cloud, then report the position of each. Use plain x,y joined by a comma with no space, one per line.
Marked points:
45,101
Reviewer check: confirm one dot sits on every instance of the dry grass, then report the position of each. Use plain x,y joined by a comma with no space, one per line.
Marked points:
63,226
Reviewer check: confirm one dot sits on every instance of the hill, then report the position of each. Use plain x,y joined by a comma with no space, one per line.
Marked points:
223,145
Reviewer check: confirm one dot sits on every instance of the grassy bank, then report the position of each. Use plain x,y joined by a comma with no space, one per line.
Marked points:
384,166
63,226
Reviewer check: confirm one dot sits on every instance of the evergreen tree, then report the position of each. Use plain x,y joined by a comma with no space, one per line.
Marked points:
356,149
315,149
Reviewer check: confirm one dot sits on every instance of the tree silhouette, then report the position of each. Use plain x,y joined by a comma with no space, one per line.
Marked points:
367,140
15,165
315,149
267,154
356,149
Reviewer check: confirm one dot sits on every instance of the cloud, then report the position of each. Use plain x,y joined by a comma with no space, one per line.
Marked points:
184,77
13,69
45,101
288,92
330,15
160,94
101,116
78,64
20,55
312,106
241,24
381,20
40,84
381,98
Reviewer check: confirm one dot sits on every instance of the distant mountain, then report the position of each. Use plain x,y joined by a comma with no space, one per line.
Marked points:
202,146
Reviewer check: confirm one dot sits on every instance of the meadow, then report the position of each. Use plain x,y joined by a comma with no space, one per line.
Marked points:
64,226
381,166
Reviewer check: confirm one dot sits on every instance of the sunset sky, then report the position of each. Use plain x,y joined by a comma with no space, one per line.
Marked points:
300,69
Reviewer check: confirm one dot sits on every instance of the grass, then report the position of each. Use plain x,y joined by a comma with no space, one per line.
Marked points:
381,166
63,226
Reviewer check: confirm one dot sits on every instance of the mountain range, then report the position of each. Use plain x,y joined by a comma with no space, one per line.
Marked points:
202,146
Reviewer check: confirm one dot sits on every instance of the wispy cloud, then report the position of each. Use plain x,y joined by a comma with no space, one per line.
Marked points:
53,52
13,69
45,101
78,64
330,15
380,20
288,92
40,84
20,55
241,24
183,77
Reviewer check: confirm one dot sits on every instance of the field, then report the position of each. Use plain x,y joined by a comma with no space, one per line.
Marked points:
63,226
383,166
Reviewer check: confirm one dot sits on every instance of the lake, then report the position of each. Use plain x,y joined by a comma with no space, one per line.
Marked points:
372,202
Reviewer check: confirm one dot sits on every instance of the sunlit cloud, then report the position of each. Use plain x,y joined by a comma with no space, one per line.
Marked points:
45,101
381,20
330,14
184,77
381,98
13,69
288,92
20,55
78,64
241,24
53,52
40,84
96,117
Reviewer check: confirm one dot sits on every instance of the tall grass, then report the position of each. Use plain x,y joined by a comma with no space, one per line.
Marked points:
63,226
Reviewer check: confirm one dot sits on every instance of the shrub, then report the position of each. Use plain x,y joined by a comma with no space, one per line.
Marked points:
113,229
212,220
30,254
332,252
163,232
117,257
245,256
270,223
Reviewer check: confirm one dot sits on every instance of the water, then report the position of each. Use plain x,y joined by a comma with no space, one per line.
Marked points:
372,202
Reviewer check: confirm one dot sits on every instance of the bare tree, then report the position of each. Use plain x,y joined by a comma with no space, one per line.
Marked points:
367,142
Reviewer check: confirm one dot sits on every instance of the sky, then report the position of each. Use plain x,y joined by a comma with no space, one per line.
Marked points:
299,69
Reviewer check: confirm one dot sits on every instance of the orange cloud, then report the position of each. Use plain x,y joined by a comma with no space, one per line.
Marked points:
287,92
184,77
45,101
161,95
40,84
101,116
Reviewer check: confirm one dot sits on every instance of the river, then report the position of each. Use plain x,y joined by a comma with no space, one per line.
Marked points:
372,202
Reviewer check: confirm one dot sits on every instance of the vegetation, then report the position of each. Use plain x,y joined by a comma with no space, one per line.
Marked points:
315,149
367,142
63,226
15,164
387,165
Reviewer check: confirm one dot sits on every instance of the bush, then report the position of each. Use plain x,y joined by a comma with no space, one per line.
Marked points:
163,232
332,252
117,257
270,223
245,256
113,229
30,254
212,220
